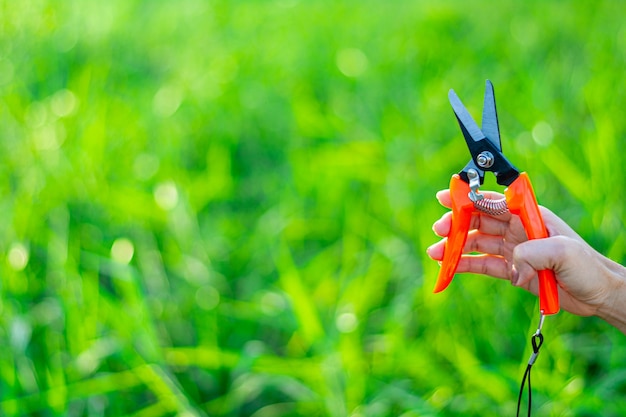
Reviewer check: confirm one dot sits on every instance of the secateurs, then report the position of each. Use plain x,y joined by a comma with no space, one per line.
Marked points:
486,152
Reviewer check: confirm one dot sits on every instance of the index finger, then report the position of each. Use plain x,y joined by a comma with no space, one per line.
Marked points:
445,200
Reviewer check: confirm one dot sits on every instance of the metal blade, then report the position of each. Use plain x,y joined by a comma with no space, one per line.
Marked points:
491,127
465,119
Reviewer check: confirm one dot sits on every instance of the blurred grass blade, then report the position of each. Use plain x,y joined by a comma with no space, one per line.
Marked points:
303,305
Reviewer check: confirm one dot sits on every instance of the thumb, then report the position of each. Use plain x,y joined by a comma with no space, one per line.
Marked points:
579,270
538,254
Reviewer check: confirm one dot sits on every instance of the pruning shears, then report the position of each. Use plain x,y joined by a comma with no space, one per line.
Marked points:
486,151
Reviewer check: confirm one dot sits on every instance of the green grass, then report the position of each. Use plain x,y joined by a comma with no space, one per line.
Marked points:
222,208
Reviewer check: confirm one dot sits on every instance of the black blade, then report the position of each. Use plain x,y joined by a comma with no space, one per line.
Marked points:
465,119
491,127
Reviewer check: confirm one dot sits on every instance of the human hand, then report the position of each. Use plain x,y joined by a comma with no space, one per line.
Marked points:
589,283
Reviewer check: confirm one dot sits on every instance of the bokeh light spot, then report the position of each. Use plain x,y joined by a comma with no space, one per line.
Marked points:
18,256
49,137
166,195
166,101
543,134
272,303
207,297
20,333
122,250
352,62
347,322
63,103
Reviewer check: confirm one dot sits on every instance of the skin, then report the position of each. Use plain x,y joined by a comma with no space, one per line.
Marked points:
589,283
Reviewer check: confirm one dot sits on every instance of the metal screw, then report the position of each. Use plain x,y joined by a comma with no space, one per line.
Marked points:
485,159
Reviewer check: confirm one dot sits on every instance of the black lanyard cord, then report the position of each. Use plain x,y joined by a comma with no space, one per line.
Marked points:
537,341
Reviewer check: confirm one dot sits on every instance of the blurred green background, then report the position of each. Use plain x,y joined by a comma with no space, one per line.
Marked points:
221,208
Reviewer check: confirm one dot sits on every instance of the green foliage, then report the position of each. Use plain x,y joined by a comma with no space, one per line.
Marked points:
222,208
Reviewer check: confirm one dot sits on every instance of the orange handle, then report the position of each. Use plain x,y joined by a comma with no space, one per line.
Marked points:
521,200
462,208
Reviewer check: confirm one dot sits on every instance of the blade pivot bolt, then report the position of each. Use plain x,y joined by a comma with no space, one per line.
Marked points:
485,159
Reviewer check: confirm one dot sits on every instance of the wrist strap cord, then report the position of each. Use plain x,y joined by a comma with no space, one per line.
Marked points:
536,341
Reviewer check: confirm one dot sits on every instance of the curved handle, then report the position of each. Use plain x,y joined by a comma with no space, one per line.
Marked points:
462,208
521,200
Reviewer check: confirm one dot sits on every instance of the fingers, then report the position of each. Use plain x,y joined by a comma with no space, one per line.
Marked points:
483,222
436,251
442,226
484,243
495,266
487,263
445,200
476,242
554,224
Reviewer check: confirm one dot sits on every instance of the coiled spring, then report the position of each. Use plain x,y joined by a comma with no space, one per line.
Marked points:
486,205
491,206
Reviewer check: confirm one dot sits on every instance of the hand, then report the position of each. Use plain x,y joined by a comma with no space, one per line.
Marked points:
589,283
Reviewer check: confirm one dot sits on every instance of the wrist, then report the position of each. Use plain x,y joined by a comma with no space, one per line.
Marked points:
613,311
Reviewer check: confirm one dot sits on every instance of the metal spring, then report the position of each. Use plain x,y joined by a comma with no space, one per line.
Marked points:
492,207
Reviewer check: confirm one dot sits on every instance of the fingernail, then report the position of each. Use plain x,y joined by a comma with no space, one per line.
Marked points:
514,276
